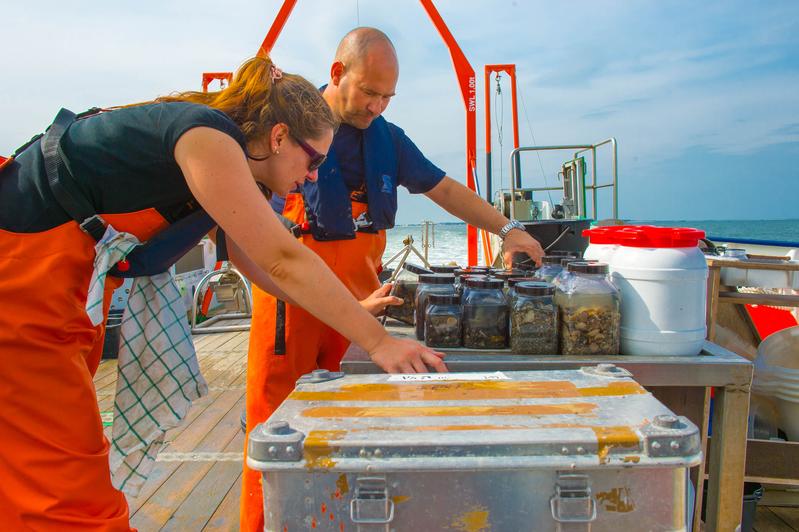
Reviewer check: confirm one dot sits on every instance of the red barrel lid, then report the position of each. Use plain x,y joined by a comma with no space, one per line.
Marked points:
659,237
605,234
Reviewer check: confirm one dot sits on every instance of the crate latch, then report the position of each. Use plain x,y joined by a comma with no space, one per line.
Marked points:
371,504
573,501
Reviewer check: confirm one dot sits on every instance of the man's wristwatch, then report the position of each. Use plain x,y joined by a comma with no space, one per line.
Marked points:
510,226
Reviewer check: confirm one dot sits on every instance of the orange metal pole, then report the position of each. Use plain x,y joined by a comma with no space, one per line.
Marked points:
466,80
277,27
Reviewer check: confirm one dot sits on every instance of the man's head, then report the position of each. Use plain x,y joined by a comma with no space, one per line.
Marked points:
363,77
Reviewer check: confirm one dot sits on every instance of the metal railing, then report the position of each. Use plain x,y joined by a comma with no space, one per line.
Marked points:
579,148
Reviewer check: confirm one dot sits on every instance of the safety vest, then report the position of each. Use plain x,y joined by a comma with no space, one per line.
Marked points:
327,201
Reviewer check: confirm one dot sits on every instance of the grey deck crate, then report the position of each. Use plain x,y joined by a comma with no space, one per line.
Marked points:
586,449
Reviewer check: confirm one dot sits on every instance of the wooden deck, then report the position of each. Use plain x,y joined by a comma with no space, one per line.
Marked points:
197,479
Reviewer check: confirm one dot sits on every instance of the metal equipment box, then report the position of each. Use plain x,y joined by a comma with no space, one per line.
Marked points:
586,449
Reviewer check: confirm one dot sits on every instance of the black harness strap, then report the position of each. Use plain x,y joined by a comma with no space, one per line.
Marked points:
75,204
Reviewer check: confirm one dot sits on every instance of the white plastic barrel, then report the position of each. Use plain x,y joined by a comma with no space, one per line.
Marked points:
662,276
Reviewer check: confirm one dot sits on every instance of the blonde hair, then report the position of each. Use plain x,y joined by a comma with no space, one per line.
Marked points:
256,100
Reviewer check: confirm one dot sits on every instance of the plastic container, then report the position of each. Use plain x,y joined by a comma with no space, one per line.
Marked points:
601,243
442,321
550,268
662,276
589,311
534,319
485,314
430,283
405,286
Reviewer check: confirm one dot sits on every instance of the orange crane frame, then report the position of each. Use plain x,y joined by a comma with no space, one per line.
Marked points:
466,81
510,70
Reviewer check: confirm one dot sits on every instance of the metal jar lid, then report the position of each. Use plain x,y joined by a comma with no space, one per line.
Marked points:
441,299
436,278
567,260
513,281
418,270
588,267
533,288
475,282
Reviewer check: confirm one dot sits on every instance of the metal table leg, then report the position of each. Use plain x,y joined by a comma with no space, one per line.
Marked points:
727,458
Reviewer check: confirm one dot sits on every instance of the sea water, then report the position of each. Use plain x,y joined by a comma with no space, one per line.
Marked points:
449,244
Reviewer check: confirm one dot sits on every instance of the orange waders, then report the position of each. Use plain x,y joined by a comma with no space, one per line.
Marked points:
310,344
54,471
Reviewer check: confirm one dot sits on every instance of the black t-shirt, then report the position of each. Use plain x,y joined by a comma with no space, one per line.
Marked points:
122,161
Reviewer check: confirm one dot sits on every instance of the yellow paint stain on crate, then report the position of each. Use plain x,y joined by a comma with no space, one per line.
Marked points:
467,391
616,500
612,437
317,448
447,411
475,520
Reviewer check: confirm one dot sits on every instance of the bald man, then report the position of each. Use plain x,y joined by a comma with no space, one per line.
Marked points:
348,211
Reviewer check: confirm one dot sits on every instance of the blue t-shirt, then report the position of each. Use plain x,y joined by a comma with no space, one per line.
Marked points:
414,171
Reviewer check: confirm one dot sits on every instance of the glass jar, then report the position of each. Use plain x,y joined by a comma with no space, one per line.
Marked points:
534,319
405,285
442,321
484,314
510,284
550,268
588,307
430,283
564,273
461,287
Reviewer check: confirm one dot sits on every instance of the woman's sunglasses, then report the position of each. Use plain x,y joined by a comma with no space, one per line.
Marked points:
317,159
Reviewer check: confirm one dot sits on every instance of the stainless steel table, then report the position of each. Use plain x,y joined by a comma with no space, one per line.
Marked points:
682,383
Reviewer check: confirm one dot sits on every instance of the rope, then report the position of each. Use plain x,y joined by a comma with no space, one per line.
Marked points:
499,118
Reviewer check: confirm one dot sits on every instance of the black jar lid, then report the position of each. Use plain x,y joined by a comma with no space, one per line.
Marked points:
436,278
566,260
564,253
444,268
507,274
533,288
441,299
588,267
485,282
513,281
415,268
551,259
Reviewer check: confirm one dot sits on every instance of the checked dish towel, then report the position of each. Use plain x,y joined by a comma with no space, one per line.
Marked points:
158,375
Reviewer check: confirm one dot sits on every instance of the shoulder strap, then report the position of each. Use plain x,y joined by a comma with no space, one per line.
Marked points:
75,205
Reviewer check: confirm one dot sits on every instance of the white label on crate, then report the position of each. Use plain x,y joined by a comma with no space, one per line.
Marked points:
423,377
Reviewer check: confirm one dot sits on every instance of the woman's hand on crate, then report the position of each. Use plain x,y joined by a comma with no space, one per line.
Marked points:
395,355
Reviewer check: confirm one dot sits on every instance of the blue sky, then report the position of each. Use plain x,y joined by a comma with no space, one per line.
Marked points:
703,97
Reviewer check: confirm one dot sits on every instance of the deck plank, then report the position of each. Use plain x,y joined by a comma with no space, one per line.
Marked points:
768,521
226,516
161,505
789,515
199,505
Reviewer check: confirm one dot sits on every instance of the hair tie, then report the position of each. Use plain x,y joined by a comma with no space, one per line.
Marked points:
275,73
